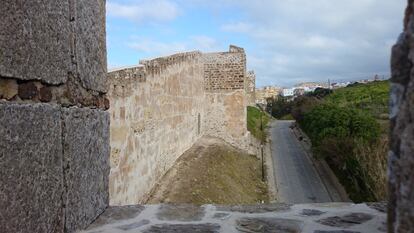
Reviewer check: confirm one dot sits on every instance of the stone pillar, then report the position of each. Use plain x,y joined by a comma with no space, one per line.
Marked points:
401,155
54,128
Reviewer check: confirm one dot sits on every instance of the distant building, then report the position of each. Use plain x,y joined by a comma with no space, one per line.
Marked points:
268,92
288,92
310,86
298,91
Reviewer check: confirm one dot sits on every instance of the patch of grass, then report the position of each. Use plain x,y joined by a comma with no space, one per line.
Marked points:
257,121
287,117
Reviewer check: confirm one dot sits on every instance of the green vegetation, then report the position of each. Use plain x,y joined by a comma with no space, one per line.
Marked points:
257,121
348,128
372,97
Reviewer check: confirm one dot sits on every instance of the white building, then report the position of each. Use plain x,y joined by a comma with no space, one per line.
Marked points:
288,92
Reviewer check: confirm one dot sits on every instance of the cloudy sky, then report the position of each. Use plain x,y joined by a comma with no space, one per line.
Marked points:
286,41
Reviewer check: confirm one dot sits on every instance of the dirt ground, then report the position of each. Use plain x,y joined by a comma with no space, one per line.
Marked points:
212,172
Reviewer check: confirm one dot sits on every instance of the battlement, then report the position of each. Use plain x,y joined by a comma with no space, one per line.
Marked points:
156,65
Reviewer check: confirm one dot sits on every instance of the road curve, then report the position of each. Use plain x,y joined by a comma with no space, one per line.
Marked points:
296,178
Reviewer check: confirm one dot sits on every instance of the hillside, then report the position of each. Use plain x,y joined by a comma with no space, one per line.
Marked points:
372,97
348,128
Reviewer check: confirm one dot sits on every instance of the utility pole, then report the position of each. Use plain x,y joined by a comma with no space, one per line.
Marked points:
261,146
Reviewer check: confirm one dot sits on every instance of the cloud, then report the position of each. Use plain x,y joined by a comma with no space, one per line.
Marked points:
239,27
204,43
149,46
143,11
286,40
155,48
320,39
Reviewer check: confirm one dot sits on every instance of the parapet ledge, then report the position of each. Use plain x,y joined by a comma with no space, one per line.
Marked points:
235,49
116,69
125,75
160,63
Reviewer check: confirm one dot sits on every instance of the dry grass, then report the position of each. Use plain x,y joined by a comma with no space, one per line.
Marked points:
212,172
373,161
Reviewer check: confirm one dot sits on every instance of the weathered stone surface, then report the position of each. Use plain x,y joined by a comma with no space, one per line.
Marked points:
34,40
380,206
45,94
153,122
311,212
86,165
346,220
269,225
401,155
8,88
214,221
260,208
27,90
181,212
91,43
339,231
117,213
181,228
134,225
31,173
221,216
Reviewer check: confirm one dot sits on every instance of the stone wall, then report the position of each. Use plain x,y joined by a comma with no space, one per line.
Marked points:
227,118
250,88
157,112
226,70
225,75
54,130
401,155
160,108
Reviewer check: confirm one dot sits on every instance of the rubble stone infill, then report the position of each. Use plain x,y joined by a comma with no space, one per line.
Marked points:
312,218
68,94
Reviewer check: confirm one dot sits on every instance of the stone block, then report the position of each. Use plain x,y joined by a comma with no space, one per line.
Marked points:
86,165
180,212
31,171
269,225
34,40
260,208
91,44
117,213
184,228
346,220
8,88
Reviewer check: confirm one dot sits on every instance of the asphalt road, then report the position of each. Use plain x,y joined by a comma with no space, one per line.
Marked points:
297,180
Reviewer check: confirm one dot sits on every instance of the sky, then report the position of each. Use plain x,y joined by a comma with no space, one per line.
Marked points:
286,41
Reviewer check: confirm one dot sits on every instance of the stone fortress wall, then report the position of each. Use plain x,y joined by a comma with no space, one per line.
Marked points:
251,88
156,115
54,127
160,108
225,78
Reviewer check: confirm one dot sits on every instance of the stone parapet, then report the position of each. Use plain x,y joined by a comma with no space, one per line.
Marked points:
307,218
157,65
401,155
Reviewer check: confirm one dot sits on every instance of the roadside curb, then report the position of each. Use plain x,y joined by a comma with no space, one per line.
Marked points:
325,172
270,175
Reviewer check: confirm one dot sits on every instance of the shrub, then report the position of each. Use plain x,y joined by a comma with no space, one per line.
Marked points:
337,134
328,120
